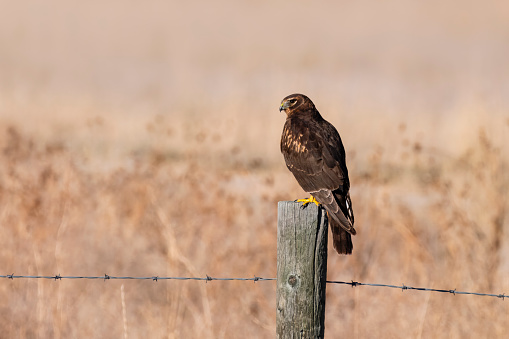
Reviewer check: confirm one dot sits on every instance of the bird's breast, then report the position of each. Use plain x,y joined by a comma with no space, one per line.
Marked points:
293,141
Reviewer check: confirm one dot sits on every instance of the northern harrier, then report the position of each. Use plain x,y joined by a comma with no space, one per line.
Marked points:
314,153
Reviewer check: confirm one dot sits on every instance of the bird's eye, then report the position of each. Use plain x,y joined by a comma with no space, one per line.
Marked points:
292,101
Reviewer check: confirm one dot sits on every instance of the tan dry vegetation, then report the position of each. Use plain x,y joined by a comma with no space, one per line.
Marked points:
423,222
142,140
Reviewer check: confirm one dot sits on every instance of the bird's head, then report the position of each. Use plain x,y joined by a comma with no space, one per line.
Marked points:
296,102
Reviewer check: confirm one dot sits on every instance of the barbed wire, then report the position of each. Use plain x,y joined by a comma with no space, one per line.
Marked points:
208,278
110,277
404,287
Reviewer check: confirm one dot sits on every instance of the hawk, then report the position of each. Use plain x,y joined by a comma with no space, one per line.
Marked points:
314,153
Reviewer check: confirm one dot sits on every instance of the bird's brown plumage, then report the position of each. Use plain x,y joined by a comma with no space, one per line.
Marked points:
314,153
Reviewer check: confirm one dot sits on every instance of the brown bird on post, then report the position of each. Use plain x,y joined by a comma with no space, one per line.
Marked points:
314,153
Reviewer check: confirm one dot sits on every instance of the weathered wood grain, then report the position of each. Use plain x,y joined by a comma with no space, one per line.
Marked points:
301,270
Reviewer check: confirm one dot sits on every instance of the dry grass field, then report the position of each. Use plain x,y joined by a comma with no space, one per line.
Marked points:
143,139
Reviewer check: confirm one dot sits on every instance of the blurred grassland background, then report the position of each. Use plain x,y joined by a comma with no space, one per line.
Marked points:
142,138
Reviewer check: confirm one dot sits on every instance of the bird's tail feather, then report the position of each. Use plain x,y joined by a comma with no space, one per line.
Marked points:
341,239
344,217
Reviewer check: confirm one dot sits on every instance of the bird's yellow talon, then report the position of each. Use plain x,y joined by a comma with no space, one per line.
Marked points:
308,200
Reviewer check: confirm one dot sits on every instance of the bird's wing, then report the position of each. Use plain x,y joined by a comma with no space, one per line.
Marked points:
314,153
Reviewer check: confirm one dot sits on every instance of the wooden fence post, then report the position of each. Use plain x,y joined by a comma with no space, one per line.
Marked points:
301,270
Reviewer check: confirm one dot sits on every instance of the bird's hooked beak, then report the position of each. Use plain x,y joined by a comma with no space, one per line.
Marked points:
284,105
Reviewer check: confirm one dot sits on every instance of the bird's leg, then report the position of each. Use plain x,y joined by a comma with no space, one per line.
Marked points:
305,202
